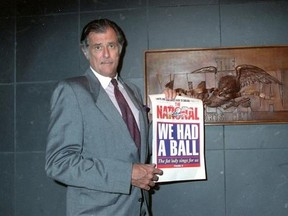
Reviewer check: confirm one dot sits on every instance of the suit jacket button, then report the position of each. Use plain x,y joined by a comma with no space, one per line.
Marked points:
140,200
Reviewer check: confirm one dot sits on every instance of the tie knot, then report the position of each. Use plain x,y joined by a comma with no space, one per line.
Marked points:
114,82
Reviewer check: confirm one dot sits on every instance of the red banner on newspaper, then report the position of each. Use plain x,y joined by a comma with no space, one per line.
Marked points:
178,138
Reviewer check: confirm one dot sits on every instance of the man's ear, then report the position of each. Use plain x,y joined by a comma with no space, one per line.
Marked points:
85,52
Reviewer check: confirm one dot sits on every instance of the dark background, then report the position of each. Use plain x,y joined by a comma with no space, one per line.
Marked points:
247,165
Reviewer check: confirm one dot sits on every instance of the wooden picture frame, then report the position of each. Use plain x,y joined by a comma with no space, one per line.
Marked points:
238,85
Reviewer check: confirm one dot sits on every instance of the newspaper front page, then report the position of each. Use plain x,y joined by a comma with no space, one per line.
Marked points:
178,138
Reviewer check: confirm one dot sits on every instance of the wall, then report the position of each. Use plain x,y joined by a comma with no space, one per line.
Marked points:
247,165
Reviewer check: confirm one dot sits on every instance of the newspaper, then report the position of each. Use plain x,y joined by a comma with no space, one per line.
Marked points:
178,138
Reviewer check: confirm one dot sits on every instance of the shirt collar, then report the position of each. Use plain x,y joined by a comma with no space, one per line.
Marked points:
104,81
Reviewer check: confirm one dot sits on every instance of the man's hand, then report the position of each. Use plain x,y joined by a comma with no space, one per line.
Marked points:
170,94
144,176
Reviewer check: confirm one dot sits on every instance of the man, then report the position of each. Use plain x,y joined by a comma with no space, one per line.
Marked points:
90,148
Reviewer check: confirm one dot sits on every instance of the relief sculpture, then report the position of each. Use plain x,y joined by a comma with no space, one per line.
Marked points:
239,86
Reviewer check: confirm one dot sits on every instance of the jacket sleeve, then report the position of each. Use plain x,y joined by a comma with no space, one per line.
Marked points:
64,159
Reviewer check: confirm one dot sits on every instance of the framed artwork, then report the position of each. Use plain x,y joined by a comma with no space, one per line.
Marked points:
238,85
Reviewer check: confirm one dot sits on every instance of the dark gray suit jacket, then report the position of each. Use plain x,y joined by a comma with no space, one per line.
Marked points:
90,150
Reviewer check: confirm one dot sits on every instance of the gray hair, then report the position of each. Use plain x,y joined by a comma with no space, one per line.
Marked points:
101,26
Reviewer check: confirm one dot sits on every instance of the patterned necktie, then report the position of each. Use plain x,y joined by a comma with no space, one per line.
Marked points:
127,114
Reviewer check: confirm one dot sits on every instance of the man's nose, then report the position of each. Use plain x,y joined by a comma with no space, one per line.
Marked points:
106,52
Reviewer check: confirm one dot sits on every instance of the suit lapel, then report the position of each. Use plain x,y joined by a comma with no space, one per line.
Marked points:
142,121
103,102
105,105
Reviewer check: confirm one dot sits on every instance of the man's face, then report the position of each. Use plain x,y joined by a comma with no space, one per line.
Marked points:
104,52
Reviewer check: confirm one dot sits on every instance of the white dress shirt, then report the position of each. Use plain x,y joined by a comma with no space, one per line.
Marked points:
109,88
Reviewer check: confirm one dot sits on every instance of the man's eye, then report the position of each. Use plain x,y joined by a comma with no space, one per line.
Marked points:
98,47
113,46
